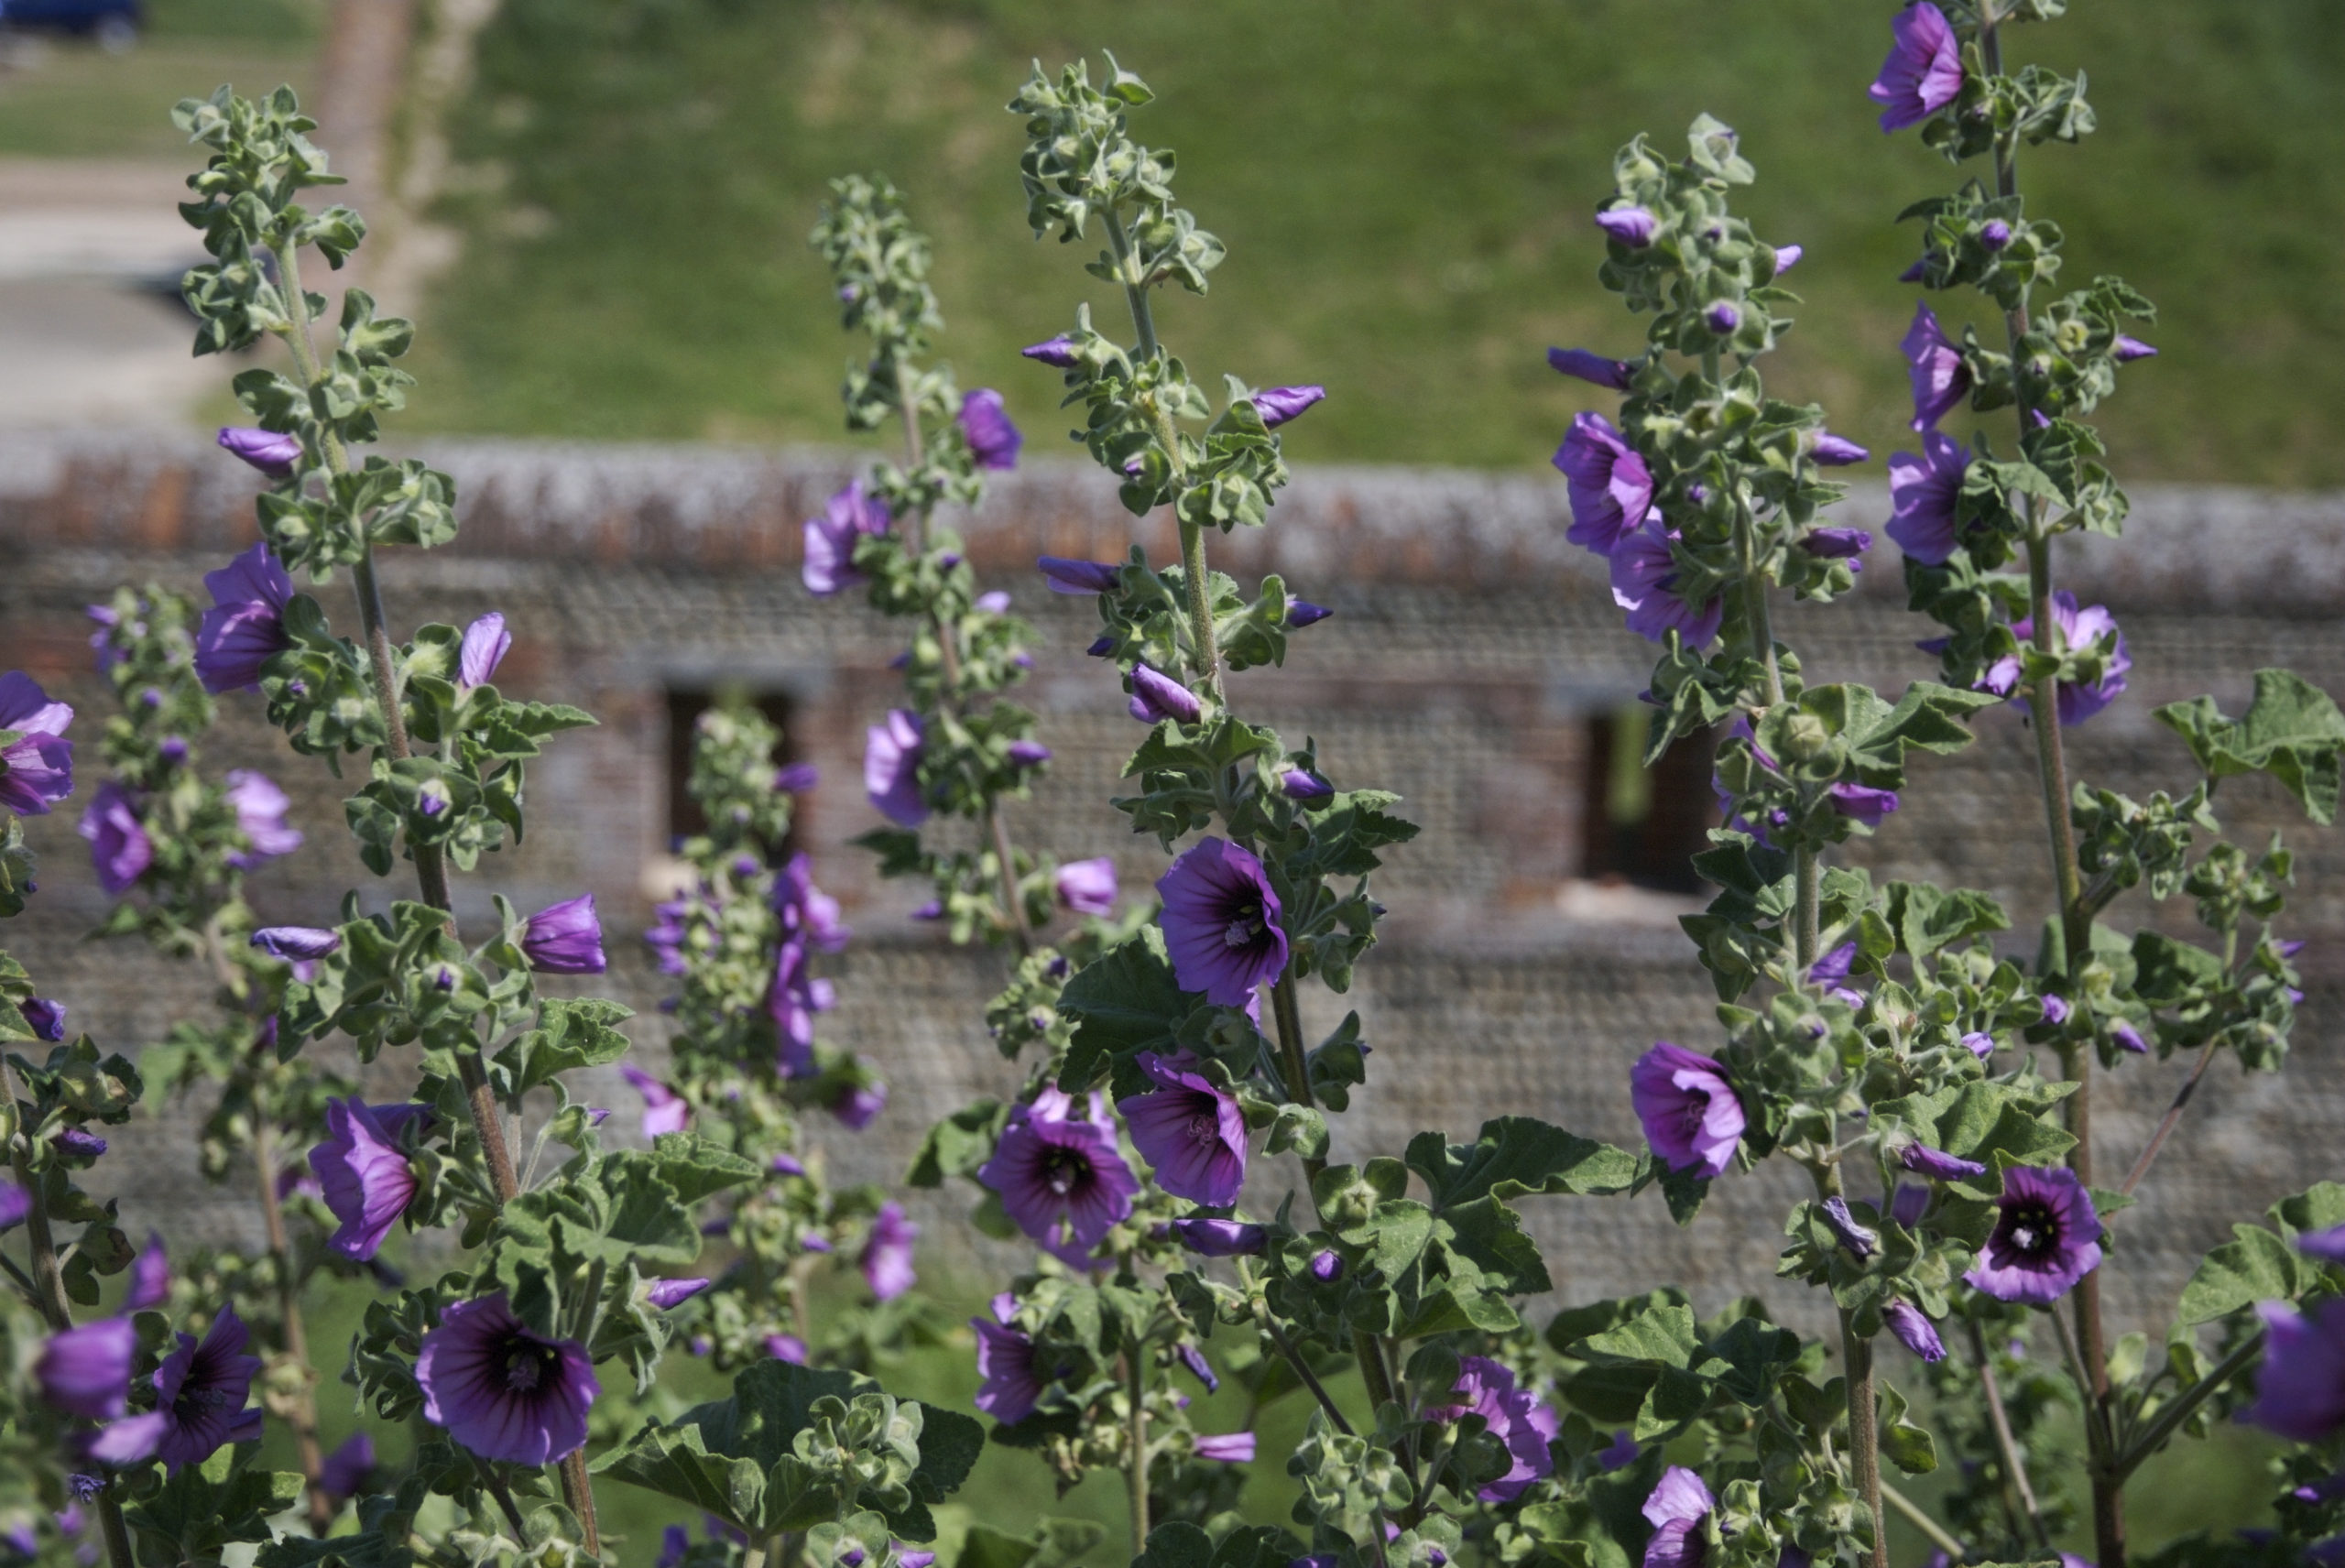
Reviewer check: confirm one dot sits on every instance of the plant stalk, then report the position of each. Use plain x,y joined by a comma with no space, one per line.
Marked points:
2155,1435
304,1417
2166,1123
2015,1468
1920,1520
1135,1466
1864,1435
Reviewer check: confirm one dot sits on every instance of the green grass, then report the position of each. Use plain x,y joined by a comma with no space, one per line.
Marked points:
1405,191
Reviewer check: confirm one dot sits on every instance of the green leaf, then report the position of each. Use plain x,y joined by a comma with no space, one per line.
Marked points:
2320,1206
1179,1544
696,1167
1516,1157
1927,918
959,1144
1902,1444
570,1034
1123,1002
2291,730
2166,971
2256,1267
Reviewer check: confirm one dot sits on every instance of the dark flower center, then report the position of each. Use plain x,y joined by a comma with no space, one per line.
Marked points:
1245,926
2032,1231
1205,1124
530,1364
1064,1169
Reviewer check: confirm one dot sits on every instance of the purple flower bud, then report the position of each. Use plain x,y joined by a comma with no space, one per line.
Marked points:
1297,785
1058,352
565,937
597,1114
1863,802
2128,1038
1837,544
1028,753
1230,1448
1221,1238
1199,1367
1937,1164
905,1559
1158,697
1101,647
1277,405
1914,1330
120,850
2055,1009
2128,350
1632,226
1908,1203
932,910
1981,1046
1087,886
1994,234
295,943
1787,256
1327,1266
484,647
984,424
797,777
1837,452
344,1471
1915,272
45,1018
993,603
662,1294
786,1348
1859,1242
1722,317
1592,368
786,1165
173,750
78,1143
272,453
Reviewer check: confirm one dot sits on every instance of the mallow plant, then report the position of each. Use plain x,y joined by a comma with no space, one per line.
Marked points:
561,1270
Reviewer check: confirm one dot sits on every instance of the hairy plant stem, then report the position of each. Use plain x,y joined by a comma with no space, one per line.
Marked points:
2166,1123
303,1417
1921,1522
2075,916
2015,1468
1856,1370
49,1276
1806,867
431,866
2153,1436
1136,1465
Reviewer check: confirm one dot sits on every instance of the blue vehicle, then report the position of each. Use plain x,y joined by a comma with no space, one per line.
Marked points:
114,24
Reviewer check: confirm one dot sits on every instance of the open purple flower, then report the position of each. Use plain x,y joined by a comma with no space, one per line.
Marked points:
850,514
1691,1116
792,1000
85,1371
1157,697
1934,365
1087,886
857,1105
1593,369
805,909
1228,1448
1610,486
150,1277
1676,1508
271,451
500,1390
1277,405
1009,1386
1924,71
891,759
664,1110
1221,922
45,1018
1515,1417
2046,1238
259,806
886,1259
565,937
1220,1238
2079,627
199,1394
1632,226
1058,352
244,628
1923,492
296,944
1061,575
37,768
664,1294
2300,1388
486,643
1644,584
1192,1132
1059,1173
985,423
345,1471
120,850
1914,1330
363,1174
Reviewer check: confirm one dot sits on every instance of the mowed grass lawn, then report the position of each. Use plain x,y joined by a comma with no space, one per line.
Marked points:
1405,189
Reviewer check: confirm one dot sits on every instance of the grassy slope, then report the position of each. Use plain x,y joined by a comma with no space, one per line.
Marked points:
1405,191
79,101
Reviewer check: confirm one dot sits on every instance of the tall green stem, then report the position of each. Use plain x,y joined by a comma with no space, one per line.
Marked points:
1135,1433
1864,1435
2076,918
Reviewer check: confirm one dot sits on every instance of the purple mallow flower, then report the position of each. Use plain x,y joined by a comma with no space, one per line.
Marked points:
1192,1132
85,1371
37,768
1788,257
887,1261
1157,697
985,423
1230,1448
1087,886
2128,1038
199,1394
664,1110
850,514
1924,71
45,1018
271,451
1923,492
2046,1238
1632,226
797,777
244,628
500,1390
363,1173
486,643
1691,1116
345,1471
1622,1453
1028,753
565,937
1934,365
1061,575
1059,1174
662,1294
891,759
1644,584
2079,627
1221,922
793,999
1610,486
1914,1330
1937,1164
150,1277
1220,1238
296,944
666,934
1859,1241
1277,405
1516,1417
807,912
1058,352
1676,1508
120,850
1978,1044
1593,369
259,806
1008,1385
2300,1389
